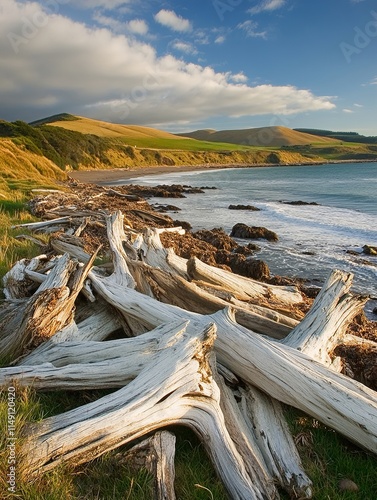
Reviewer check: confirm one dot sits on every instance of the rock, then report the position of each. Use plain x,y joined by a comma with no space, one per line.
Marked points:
247,249
218,238
244,207
184,224
369,250
166,208
347,485
253,232
299,202
375,310
208,187
238,263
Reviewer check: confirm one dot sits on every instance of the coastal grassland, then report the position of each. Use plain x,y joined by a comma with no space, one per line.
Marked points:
347,151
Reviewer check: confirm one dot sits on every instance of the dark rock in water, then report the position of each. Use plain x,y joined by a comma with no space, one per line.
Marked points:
244,207
253,232
182,223
163,190
208,187
299,202
218,238
308,253
238,263
166,208
369,250
247,249
375,311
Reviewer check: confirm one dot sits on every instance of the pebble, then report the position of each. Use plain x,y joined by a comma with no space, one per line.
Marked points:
347,485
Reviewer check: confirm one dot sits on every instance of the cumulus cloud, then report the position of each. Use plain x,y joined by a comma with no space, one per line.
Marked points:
171,20
238,78
267,6
52,64
138,26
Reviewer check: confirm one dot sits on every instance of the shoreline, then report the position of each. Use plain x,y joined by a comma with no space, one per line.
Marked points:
102,177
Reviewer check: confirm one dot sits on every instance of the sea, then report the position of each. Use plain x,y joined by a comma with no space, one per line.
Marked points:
313,239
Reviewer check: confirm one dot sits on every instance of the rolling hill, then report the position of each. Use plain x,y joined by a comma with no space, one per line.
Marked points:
260,137
105,129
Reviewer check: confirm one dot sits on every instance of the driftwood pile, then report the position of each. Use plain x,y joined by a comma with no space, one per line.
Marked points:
186,343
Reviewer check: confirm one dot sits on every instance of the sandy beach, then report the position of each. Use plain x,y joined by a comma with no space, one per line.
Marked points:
107,176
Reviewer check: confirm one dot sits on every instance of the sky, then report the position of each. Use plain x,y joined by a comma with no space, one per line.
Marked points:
185,65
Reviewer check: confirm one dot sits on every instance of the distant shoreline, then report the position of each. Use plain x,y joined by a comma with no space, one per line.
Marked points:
118,174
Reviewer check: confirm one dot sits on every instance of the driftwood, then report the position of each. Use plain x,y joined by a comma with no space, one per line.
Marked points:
171,370
243,288
328,318
156,454
36,319
292,377
151,401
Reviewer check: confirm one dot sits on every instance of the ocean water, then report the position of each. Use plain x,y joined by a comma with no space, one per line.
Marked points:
313,240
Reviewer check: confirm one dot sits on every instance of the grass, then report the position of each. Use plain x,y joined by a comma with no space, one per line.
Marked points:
329,458
326,456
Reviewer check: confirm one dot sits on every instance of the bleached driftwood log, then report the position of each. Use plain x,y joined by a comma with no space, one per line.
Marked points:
173,289
177,388
60,246
243,288
50,309
14,279
156,454
91,365
36,226
291,377
265,420
326,322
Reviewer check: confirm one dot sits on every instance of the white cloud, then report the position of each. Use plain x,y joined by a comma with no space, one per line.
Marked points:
185,47
239,78
93,72
374,82
171,20
109,22
358,105
138,26
267,6
220,39
251,29
347,110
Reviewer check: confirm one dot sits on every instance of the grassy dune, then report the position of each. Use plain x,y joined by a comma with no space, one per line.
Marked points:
21,169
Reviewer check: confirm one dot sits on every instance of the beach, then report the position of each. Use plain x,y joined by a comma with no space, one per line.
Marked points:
105,176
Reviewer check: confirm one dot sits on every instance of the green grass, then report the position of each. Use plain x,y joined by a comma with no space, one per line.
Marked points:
328,458
13,211
181,144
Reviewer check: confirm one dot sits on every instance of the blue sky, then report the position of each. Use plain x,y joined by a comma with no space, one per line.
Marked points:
180,65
